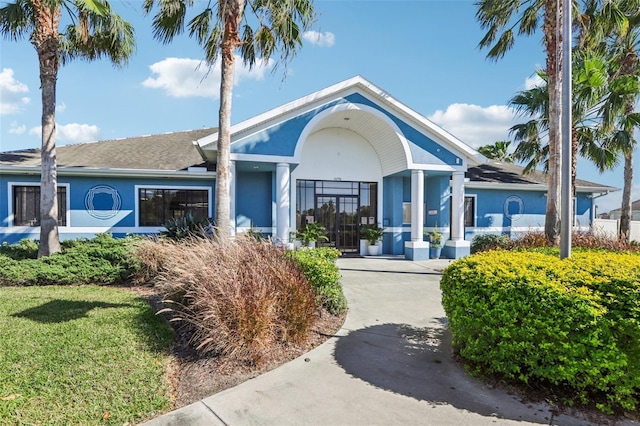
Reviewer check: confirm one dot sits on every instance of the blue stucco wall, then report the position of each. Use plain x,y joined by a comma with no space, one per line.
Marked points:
281,139
84,222
254,198
514,213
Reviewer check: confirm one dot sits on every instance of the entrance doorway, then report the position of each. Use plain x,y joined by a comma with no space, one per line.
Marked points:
339,215
340,207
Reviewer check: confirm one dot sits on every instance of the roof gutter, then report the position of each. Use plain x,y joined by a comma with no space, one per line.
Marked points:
602,190
86,171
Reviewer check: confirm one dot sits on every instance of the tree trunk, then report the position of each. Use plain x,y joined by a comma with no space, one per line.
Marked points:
231,12
625,212
552,39
45,40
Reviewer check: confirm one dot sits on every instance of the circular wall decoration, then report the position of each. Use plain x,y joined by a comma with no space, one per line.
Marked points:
102,202
513,207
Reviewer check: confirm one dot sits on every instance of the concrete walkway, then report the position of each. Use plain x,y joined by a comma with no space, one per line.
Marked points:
390,364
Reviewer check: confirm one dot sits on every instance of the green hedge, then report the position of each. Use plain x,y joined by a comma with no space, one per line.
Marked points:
533,317
318,266
101,260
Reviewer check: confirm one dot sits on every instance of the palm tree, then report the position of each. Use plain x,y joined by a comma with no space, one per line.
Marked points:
526,16
615,29
620,109
279,25
95,31
498,151
589,88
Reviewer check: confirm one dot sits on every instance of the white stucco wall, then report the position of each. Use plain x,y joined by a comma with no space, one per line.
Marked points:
334,153
337,154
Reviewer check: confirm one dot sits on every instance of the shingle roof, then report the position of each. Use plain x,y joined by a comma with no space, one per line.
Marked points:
499,172
168,151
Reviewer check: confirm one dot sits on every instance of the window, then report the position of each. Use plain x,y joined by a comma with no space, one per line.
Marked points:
406,212
26,205
470,211
157,205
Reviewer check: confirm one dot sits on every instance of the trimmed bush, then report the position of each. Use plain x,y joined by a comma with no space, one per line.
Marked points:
318,266
532,317
486,242
102,260
243,297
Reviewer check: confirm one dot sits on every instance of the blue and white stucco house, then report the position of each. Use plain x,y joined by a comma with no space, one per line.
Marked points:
345,156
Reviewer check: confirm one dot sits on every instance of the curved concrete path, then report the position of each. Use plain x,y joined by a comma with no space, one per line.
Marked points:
390,364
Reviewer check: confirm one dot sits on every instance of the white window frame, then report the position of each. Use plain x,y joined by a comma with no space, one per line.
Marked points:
406,206
11,213
137,189
475,209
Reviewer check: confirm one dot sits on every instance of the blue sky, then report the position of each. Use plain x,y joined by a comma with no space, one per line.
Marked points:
424,53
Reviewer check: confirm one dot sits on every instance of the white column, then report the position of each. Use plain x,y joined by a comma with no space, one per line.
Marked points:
232,198
457,206
417,204
283,179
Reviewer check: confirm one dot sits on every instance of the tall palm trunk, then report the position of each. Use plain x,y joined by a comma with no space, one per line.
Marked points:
231,12
625,213
629,67
552,39
45,40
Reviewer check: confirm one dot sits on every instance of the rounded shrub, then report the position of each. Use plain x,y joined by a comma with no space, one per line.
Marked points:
532,317
319,267
486,242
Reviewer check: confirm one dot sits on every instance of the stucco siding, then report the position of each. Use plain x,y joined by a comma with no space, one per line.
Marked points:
94,205
254,201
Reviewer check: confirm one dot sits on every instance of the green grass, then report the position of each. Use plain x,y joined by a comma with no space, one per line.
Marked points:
80,355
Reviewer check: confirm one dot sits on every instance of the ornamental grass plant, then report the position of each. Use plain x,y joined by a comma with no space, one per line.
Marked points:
243,298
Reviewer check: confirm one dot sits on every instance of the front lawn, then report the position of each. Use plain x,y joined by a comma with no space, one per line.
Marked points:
81,355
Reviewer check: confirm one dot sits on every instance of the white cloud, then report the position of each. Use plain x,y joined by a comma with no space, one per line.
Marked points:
533,81
61,108
184,77
72,133
12,100
475,125
317,38
17,129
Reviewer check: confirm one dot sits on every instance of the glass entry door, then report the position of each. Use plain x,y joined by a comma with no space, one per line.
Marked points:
339,215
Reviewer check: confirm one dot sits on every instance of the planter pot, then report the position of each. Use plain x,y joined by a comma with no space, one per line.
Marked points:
373,250
434,252
363,247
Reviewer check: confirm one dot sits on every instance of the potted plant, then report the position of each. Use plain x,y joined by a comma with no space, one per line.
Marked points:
372,234
435,243
311,233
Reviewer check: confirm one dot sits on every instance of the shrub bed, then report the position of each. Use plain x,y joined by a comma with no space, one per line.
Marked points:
319,267
102,260
573,323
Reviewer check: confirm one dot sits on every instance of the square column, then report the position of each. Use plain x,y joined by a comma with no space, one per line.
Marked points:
457,247
417,248
283,189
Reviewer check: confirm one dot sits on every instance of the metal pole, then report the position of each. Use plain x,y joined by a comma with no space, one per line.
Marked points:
566,203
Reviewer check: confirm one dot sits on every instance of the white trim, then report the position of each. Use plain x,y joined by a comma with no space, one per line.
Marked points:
136,197
88,171
533,187
261,158
357,84
10,211
475,209
310,127
68,230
